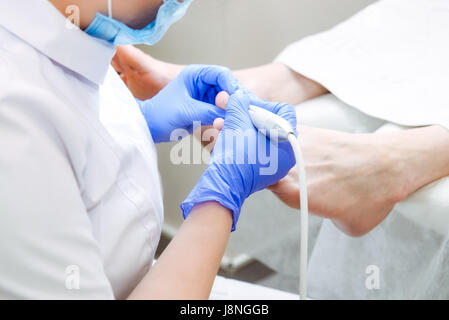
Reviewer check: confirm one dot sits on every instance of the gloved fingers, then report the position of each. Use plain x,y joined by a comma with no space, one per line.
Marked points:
205,92
220,98
238,106
288,112
265,104
205,112
205,82
220,77
216,112
211,95
284,110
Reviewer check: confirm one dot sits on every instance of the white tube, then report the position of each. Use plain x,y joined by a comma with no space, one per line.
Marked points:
278,129
110,8
304,208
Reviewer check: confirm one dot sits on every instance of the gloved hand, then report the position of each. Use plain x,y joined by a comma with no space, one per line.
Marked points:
239,164
189,97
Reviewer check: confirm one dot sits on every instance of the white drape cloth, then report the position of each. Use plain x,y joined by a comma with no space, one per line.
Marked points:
389,61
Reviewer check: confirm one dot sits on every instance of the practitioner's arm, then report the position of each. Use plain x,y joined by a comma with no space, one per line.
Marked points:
188,266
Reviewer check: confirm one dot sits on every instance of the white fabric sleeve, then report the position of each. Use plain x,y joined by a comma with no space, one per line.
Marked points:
47,250
389,61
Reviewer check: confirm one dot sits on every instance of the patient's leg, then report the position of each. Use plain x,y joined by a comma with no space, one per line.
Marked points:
146,76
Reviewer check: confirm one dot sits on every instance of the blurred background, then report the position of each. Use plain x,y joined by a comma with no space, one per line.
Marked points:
241,34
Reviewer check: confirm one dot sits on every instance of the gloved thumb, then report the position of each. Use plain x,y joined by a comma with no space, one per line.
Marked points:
238,106
204,112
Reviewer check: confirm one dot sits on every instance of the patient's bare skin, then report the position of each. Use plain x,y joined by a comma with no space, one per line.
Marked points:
144,75
353,179
356,179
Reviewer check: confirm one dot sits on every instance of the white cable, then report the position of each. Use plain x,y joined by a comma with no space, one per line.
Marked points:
304,205
279,129
110,8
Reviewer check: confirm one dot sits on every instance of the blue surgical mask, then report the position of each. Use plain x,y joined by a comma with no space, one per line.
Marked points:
117,33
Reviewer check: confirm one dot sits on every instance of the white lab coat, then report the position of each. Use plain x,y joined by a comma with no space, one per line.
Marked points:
81,208
80,192
390,61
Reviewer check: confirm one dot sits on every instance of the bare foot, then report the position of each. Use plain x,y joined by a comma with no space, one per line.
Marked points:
352,179
221,101
208,134
144,75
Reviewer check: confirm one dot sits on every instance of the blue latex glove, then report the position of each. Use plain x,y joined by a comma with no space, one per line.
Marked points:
189,97
237,170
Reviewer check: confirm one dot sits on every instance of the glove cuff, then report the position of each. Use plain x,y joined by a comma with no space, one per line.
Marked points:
147,110
213,187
